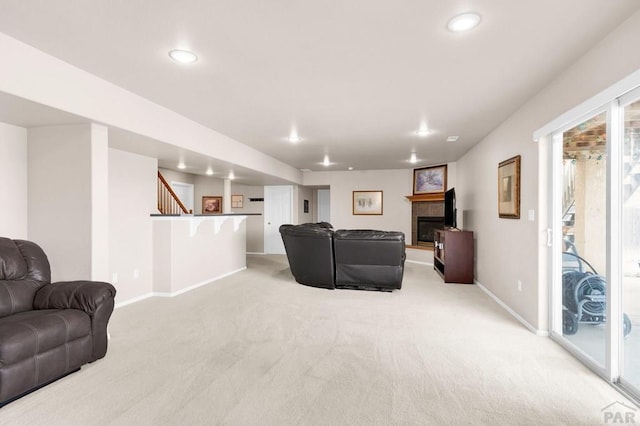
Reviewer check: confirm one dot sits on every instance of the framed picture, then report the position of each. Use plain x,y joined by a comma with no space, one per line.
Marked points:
430,180
305,205
236,201
367,202
509,188
211,205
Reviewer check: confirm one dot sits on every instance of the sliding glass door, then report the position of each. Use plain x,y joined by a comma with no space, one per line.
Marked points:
583,246
595,198
630,353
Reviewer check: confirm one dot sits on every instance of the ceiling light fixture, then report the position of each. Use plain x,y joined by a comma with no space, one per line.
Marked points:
423,131
413,159
209,171
452,138
181,165
326,161
294,138
463,22
350,168
183,56
231,175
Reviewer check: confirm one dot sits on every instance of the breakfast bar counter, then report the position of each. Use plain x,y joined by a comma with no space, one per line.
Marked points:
190,251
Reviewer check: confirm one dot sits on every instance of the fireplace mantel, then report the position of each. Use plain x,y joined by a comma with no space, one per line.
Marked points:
425,197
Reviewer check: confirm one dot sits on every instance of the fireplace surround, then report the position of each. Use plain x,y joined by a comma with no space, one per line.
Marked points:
431,213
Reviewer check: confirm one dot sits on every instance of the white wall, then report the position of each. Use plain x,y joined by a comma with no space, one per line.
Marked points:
61,185
254,224
13,182
207,186
395,186
510,250
99,203
132,198
305,193
45,79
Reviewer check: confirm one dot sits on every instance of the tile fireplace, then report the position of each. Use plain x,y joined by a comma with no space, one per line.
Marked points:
425,217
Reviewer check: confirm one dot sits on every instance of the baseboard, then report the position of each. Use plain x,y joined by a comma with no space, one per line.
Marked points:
200,284
513,313
179,292
134,300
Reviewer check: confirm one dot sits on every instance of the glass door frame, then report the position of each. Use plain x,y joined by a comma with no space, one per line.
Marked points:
612,100
555,222
627,387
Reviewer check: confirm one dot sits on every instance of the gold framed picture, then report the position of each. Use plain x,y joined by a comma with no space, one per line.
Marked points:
430,180
237,201
509,188
367,202
211,205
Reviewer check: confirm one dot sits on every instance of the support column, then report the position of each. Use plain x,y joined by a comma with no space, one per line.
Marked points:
226,196
68,189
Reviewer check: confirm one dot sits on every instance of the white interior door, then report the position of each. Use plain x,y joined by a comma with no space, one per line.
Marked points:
184,191
278,210
324,205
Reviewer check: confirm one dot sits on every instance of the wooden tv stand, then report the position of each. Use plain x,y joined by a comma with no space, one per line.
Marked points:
453,255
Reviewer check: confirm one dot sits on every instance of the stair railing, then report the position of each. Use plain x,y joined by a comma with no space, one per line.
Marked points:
168,201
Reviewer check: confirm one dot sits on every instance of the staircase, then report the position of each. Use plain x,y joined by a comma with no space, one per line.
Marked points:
168,201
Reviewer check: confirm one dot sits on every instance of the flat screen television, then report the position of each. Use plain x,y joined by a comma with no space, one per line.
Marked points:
450,211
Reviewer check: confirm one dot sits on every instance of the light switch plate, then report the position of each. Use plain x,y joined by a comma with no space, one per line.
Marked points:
532,215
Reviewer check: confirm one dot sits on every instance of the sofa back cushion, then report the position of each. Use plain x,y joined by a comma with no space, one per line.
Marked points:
24,268
310,254
369,258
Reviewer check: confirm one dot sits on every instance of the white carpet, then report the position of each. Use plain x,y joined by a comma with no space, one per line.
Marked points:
257,348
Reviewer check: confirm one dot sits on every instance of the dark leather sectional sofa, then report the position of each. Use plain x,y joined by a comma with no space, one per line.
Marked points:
46,330
362,259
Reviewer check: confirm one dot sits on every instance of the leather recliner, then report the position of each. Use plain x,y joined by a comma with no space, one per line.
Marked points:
310,253
369,259
46,330
362,259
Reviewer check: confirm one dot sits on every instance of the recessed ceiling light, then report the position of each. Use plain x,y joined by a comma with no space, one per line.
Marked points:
413,158
209,171
182,166
326,161
183,56
350,168
231,175
463,22
294,138
452,138
423,132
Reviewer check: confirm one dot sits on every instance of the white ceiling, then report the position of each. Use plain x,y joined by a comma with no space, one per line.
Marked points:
356,78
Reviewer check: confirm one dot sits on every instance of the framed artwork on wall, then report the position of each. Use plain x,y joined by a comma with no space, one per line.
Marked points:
237,201
211,204
430,180
367,202
509,188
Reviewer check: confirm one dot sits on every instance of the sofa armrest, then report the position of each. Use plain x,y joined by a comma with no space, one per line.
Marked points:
93,297
86,296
